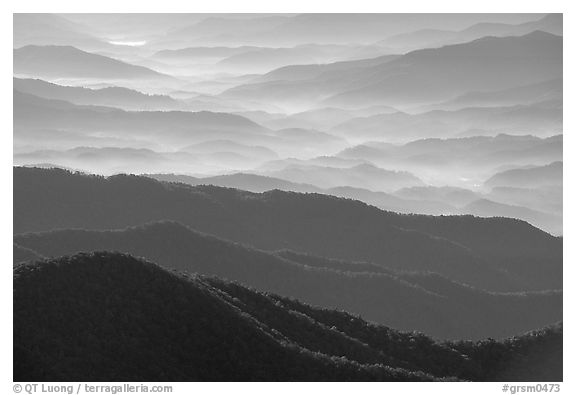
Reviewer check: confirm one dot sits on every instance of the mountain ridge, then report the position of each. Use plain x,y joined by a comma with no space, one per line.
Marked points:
343,285
318,224
231,334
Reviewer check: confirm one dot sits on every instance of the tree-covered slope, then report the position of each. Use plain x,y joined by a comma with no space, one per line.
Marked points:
491,253
108,316
407,301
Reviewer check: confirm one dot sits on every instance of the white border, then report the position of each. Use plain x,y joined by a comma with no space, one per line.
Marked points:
296,6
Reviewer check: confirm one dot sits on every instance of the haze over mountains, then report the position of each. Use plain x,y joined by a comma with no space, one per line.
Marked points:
403,169
551,23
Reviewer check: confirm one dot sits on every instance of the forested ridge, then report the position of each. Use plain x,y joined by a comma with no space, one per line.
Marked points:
422,301
496,254
109,316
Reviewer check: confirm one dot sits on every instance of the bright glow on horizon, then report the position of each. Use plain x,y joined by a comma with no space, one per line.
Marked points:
128,43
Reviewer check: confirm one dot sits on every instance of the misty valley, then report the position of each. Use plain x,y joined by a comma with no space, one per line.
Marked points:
288,197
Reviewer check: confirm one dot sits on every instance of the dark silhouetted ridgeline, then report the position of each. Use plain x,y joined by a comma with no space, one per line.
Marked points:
408,301
111,317
497,254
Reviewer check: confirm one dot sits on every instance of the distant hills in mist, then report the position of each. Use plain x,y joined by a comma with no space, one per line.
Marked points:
551,23
531,177
53,61
483,151
59,123
62,115
259,183
334,284
234,29
179,128
124,98
540,92
425,75
325,28
536,205
537,118
359,176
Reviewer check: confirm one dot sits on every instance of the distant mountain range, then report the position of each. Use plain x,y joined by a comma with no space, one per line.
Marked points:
477,152
111,160
175,129
537,206
258,183
540,92
54,61
320,119
360,176
178,127
538,119
123,98
51,29
551,23
420,77
292,30
532,177
487,208
437,74
163,326
548,199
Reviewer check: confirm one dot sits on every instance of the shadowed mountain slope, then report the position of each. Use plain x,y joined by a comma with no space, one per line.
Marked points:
46,199
488,208
162,327
259,183
420,200
245,181
165,326
435,305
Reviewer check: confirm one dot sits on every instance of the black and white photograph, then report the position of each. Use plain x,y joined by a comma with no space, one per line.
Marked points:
287,197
